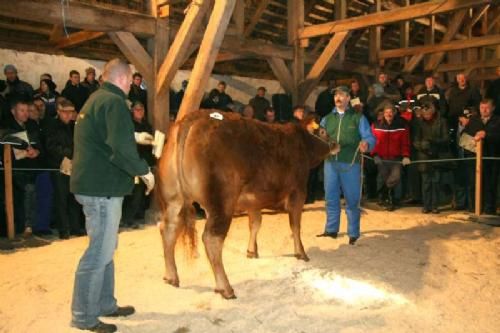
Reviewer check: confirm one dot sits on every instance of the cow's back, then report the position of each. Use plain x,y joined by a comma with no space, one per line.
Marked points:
259,163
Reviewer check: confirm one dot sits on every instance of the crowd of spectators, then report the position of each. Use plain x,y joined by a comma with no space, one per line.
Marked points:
410,126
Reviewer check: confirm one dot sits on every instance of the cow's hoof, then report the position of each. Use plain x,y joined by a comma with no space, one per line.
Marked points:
254,255
302,257
173,282
226,294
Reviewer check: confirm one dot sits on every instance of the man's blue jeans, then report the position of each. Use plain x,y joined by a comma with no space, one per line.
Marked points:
339,175
93,293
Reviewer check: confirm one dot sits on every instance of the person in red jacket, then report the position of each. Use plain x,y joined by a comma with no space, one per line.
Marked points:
391,151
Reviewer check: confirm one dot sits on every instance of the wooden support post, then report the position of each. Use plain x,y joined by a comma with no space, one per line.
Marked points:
256,17
375,39
239,18
340,13
295,22
210,45
404,34
9,201
180,47
429,39
479,176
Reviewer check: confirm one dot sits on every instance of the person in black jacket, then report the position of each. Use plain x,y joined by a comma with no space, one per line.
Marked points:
48,94
471,130
29,158
135,203
324,102
493,92
90,82
218,99
137,93
431,90
17,89
431,142
491,148
260,103
460,96
74,91
59,148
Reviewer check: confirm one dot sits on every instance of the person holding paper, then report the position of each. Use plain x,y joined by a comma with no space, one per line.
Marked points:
105,162
135,203
59,147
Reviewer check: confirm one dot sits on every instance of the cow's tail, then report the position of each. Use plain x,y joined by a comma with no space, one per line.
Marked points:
188,218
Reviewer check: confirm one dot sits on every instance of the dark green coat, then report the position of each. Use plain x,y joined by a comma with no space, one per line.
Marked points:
431,141
105,158
344,131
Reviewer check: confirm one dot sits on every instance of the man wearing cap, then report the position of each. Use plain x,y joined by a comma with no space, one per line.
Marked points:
90,82
352,132
431,142
260,104
17,89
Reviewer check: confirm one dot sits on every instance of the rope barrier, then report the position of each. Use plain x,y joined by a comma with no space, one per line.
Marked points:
436,160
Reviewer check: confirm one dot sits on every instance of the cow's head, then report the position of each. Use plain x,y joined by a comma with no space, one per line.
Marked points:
311,124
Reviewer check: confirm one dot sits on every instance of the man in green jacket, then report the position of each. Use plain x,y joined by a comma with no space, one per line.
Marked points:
352,132
105,162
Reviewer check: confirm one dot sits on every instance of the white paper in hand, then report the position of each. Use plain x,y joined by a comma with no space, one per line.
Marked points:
158,144
355,101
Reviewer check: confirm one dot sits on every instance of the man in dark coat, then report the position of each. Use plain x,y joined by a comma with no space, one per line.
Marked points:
433,93
260,103
493,92
491,148
17,89
218,99
90,82
460,96
74,91
324,103
59,148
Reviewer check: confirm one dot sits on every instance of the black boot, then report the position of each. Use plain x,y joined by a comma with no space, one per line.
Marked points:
390,200
382,196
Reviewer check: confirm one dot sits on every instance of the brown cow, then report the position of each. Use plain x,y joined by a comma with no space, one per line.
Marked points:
229,165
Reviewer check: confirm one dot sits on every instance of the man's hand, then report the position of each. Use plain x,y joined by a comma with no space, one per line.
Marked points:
149,181
406,161
480,136
143,138
363,146
32,152
377,160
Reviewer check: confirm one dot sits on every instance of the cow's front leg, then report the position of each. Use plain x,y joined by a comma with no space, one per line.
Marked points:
213,238
254,222
295,215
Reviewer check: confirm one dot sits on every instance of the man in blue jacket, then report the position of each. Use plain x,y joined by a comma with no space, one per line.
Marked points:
352,132
105,161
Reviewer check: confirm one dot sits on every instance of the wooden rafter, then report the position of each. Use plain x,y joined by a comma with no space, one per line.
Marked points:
134,52
449,46
321,65
282,73
80,15
387,17
78,38
179,48
453,27
209,48
464,65
256,17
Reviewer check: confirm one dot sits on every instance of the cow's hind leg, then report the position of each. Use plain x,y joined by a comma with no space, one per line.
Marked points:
254,222
213,237
295,214
177,215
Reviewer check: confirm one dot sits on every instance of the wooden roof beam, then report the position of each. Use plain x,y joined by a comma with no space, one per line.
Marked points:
391,16
449,46
80,15
465,65
453,27
256,17
78,38
178,50
282,73
134,52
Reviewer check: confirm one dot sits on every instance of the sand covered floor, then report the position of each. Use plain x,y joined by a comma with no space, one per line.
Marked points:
408,273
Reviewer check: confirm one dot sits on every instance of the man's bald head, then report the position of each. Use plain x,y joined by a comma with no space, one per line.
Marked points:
118,72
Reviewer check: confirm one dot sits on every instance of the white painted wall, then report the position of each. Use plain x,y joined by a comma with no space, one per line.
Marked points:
31,65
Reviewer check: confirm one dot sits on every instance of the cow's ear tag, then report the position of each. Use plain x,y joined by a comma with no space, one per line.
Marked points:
216,115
